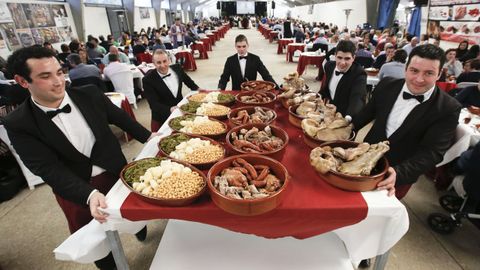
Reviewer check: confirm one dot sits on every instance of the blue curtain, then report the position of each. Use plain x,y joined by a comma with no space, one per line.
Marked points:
386,12
415,21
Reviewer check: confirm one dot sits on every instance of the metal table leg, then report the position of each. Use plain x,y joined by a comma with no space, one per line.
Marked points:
117,250
381,261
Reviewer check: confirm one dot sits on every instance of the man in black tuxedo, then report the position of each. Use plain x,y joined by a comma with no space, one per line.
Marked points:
243,66
344,84
417,118
163,87
64,137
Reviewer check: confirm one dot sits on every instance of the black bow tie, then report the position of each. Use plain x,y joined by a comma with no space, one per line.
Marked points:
338,73
169,74
409,96
65,109
242,57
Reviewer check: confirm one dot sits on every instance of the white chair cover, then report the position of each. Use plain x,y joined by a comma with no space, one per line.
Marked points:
123,83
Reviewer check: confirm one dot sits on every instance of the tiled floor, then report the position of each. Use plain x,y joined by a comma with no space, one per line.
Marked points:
32,224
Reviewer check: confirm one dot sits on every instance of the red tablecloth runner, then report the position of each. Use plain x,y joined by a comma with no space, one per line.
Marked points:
282,43
207,43
217,35
201,49
291,49
128,109
309,60
212,39
272,35
310,206
266,34
446,86
189,63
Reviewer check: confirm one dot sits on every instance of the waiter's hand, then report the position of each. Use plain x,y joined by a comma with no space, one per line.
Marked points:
98,200
389,182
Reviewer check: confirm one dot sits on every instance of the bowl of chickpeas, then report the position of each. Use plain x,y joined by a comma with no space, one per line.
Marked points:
164,181
199,151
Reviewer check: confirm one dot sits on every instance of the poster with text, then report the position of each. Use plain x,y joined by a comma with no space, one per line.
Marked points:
440,13
8,31
18,16
4,13
38,15
144,13
25,36
60,15
65,33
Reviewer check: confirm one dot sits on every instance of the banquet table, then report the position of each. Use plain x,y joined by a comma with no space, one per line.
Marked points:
189,62
291,48
207,43
200,47
310,58
372,80
466,136
217,35
212,38
272,35
121,101
368,223
282,44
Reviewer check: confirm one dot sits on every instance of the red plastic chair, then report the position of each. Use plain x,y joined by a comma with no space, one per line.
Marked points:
144,57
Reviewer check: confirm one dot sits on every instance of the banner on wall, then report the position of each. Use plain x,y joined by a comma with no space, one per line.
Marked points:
454,20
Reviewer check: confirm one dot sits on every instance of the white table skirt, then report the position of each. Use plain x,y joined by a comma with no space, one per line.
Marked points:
386,222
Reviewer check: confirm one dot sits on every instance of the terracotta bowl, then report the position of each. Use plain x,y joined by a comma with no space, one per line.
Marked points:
257,86
163,201
219,117
270,104
226,103
313,142
372,71
248,207
201,166
250,109
351,182
294,118
213,136
276,131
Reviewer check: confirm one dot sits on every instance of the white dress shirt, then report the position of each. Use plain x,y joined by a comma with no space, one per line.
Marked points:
402,108
243,64
74,126
332,86
171,81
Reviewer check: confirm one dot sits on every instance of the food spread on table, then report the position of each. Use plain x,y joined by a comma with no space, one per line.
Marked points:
256,141
258,116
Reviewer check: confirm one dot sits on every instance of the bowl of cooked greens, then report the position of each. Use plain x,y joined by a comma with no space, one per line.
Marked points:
218,97
199,151
198,125
164,181
210,109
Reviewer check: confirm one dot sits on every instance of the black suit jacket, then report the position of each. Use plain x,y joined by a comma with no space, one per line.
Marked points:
159,97
47,152
351,89
422,139
232,69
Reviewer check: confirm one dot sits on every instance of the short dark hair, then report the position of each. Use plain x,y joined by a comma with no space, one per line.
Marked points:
64,47
346,46
112,57
241,38
400,56
74,58
428,51
17,62
450,50
475,64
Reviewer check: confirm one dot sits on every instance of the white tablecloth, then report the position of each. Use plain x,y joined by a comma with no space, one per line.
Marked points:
372,80
386,222
467,135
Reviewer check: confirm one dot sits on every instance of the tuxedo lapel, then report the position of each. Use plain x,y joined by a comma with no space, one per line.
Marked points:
413,117
163,85
52,134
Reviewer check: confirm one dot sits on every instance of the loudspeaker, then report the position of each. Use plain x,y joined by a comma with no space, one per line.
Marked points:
273,4
218,5
420,2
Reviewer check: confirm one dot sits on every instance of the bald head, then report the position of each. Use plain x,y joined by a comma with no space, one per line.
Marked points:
113,50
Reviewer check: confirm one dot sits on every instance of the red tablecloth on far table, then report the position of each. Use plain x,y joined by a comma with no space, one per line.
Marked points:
200,47
212,38
272,35
291,48
207,43
305,60
310,206
189,63
282,43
